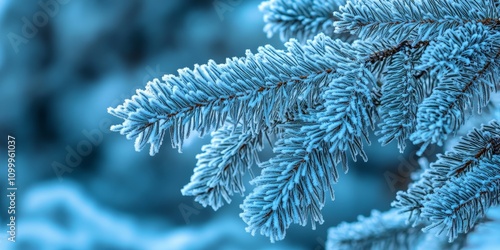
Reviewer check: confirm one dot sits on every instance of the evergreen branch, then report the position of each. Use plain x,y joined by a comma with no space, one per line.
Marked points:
292,186
477,146
298,19
348,109
258,89
305,166
465,60
402,92
412,200
387,230
415,20
348,114
458,205
492,147
421,66
221,166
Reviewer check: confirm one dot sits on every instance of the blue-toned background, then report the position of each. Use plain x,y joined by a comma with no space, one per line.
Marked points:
63,63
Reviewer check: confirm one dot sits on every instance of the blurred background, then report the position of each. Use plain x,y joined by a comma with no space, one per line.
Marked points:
64,62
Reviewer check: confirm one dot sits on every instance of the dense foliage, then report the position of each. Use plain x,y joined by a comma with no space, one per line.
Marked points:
411,71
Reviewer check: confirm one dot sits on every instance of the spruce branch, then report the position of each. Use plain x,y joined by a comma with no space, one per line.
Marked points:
421,67
221,166
408,19
306,165
402,92
298,19
258,89
292,186
454,183
242,89
458,205
465,60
